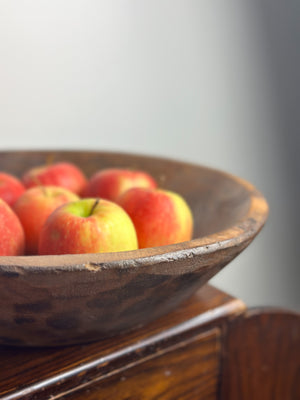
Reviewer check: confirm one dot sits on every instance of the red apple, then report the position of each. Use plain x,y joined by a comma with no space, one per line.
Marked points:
62,174
87,226
160,217
34,207
12,238
10,188
112,182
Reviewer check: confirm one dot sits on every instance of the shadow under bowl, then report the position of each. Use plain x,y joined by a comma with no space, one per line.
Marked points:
68,299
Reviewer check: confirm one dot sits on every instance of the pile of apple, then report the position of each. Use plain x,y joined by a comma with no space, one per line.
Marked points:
56,209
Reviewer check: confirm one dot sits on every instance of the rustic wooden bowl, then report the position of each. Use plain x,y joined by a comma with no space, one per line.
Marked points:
67,299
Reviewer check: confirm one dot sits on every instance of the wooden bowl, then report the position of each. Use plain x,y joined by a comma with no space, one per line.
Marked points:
67,299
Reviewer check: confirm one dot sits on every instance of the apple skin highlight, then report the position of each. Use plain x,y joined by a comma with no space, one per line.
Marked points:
63,174
111,183
11,188
33,208
160,217
88,226
12,241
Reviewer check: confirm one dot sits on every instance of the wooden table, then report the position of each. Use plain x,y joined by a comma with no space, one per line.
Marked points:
211,347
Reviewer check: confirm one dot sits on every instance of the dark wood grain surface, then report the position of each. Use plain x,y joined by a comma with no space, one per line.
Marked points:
32,373
261,356
186,371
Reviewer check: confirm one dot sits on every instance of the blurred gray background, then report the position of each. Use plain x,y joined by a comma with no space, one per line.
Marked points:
210,82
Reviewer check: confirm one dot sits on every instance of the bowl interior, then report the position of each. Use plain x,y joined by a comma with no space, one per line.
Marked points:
68,299
217,199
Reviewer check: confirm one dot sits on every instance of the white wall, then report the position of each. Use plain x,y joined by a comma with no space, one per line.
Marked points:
184,79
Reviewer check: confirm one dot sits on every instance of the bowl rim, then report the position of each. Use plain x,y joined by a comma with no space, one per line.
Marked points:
244,230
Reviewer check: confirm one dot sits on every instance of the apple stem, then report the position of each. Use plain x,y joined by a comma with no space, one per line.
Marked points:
39,183
50,159
94,206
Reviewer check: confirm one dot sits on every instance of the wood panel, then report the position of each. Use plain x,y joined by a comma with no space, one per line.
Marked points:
261,358
186,371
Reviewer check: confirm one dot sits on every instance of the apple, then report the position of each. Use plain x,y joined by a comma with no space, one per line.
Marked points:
88,226
110,183
62,174
12,238
10,188
33,208
160,217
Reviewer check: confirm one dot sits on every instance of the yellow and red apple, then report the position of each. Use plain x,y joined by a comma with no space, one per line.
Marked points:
12,241
88,226
110,183
11,188
63,174
160,217
33,208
